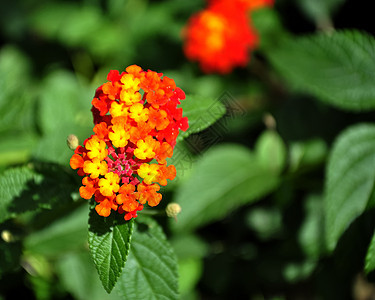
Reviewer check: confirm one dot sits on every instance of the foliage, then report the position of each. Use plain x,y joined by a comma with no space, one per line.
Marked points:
275,175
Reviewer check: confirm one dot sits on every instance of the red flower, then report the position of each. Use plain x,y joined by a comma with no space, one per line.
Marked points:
221,37
136,125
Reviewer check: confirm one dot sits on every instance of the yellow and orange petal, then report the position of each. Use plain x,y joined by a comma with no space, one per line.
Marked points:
95,167
96,148
119,109
130,128
149,194
109,185
145,148
76,161
119,136
104,207
164,173
149,173
130,82
89,187
129,97
138,112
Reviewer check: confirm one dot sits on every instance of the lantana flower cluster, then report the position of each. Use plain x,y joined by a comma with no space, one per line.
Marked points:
136,123
221,37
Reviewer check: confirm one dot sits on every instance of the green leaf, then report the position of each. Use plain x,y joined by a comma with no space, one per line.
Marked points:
370,256
202,112
10,256
67,234
151,269
319,10
17,96
109,241
13,184
16,149
271,151
269,28
350,179
337,68
311,233
33,187
226,177
64,109
307,154
78,276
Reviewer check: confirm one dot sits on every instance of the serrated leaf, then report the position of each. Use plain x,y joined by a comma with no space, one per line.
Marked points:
370,256
33,187
202,112
350,179
151,269
337,68
109,241
226,177
13,183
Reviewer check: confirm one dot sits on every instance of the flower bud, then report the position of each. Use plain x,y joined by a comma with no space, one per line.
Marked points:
7,236
172,210
72,141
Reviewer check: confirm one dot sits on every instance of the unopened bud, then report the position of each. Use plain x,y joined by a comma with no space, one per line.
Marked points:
269,121
72,141
172,210
7,236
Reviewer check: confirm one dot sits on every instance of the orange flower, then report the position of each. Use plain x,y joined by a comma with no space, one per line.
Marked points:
220,37
130,132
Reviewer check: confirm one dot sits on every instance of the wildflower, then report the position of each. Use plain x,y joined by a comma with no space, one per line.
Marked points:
136,124
220,37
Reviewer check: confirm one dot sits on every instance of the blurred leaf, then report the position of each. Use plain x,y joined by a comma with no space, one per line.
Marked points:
226,177
64,235
190,271
17,94
370,256
183,160
271,151
151,268
64,109
190,251
79,277
201,112
268,26
265,222
337,68
189,246
13,183
10,256
16,149
42,287
319,11
350,179
109,241
295,272
32,187
306,154
311,233
77,25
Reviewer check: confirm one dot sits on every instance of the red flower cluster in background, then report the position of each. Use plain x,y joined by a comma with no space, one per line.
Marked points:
136,122
220,37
